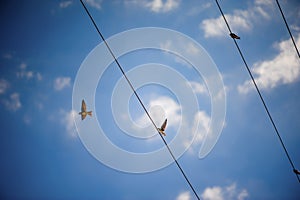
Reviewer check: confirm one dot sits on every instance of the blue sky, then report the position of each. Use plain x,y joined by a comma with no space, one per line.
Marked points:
43,46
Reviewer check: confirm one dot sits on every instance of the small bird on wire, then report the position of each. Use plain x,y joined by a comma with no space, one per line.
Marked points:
162,128
83,112
296,171
234,36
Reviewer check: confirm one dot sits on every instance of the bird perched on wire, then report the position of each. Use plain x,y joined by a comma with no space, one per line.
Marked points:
83,112
234,36
162,128
296,171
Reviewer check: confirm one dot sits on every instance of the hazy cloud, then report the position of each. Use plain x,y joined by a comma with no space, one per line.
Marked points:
198,88
13,103
200,128
94,3
67,120
61,83
28,74
7,56
65,4
4,85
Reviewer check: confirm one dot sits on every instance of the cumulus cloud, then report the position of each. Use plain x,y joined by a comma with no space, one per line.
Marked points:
184,196
94,3
67,120
65,4
230,192
13,103
169,108
284,68
157,6
239,21
62,82
4,85
196,126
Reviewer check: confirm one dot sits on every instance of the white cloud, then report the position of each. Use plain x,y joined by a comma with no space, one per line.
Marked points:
198,88
61,83
4,85
94,3
239,21
213,193
284,68
67,120
243,195
13,103
230,192
65,4
184,196
169,108
158,6
217,27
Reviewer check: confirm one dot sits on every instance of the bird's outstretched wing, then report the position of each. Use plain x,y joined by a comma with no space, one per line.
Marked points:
163,126
83,106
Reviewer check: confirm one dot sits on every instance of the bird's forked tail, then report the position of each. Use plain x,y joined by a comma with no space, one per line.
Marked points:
89,113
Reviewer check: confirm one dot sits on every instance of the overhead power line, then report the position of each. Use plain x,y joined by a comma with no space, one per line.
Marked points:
259,93
140,101
287,27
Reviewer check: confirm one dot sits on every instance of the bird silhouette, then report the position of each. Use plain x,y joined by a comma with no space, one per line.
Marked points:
296,171
83,112
234,36
162,128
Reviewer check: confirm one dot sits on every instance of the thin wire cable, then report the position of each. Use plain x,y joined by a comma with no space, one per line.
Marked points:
137,96
259,93
287,26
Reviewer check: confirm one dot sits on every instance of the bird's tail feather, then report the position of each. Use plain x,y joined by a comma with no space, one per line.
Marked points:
89,113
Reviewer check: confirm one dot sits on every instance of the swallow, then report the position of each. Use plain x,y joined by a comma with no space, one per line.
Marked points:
296,171
83,112
162,128
234,36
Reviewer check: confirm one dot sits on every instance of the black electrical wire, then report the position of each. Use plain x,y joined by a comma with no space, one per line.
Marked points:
137,96
287,26
259,93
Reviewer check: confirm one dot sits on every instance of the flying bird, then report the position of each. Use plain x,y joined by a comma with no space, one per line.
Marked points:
83,112
162,128
234,36
297,171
